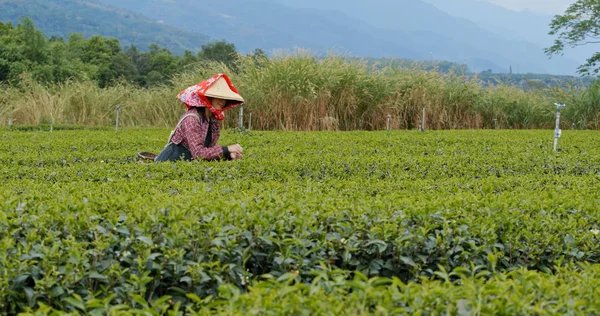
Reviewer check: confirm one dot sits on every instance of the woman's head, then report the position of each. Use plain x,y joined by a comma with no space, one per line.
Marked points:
217,94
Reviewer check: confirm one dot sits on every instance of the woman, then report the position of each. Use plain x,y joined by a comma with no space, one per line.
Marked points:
196,134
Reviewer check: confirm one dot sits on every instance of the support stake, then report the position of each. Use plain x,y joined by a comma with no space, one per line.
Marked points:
250,122
389,117
117,108
557,131
423,120
241,118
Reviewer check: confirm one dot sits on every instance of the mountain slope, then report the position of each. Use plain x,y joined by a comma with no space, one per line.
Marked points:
268,25
410,29
416,16
524,25
63,17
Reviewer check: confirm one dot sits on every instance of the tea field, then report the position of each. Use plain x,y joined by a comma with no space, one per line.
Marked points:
401,222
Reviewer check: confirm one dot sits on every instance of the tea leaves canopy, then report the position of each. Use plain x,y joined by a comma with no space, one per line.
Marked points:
309,222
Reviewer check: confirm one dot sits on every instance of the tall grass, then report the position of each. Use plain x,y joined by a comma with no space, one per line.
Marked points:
583,110
302,92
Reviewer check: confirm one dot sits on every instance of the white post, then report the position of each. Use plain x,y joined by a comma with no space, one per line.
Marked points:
557,131
9,122
51,123
241,120
389,117
118,107
423,120
250,122
495,123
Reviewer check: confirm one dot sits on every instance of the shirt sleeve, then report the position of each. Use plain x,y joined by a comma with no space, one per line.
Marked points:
194,132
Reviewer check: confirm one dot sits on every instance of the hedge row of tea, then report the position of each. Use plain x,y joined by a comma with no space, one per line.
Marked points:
353,222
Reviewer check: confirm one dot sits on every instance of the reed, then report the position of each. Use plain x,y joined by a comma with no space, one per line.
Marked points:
300,91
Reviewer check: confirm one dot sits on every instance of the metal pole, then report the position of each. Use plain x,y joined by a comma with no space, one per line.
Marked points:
51,123
250,122
389,117
241,121
495,123
117,108
10,122
557,131
423,120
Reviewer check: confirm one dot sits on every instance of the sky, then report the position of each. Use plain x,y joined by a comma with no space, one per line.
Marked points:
541,6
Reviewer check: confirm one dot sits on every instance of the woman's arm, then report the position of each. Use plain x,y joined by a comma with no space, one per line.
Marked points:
194,133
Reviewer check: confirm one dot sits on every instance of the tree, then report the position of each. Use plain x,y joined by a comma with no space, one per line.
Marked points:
220,51
76,46
259,57
187,59
580,25
25,50
162,66
100,52
21,50
123,66
5,28
141,63
33,40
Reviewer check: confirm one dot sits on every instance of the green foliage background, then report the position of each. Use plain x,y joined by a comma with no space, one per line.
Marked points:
24,49
61,18
80,81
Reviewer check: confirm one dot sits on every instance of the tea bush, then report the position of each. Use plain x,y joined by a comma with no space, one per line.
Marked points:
309,222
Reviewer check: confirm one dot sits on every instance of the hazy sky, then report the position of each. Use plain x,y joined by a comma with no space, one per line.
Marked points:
542,6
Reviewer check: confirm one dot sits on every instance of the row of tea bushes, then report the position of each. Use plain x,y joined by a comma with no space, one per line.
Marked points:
571,290
81,218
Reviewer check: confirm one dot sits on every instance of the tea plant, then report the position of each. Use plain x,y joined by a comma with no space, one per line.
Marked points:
328,222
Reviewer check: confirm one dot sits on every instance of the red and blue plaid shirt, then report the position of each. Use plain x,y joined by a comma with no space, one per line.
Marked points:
192,133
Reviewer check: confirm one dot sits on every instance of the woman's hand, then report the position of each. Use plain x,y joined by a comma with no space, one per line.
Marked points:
235,151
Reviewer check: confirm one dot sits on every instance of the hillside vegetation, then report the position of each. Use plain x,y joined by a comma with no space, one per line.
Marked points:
80,81
61,18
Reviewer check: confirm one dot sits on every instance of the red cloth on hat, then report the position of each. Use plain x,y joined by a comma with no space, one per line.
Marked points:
194,96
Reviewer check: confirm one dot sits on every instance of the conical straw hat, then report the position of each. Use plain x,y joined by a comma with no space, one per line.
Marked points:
220,89
217,86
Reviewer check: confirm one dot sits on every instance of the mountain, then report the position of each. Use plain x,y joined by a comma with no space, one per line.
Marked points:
407,29
377,28
63,17
513,25
265,24
457,38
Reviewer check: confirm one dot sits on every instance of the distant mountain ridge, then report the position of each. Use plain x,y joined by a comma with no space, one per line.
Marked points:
63,17
408,29
524,25
448,37
378,28
249,26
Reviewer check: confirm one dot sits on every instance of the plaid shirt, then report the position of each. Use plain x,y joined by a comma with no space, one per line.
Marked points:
192,133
